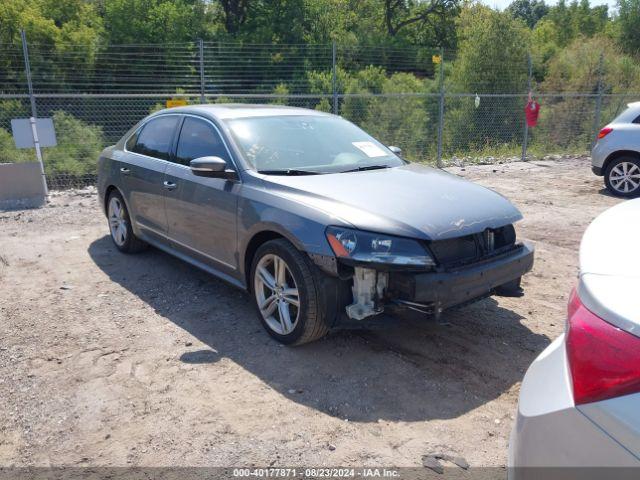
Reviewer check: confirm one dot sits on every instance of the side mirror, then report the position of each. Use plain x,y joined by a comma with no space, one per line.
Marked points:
211,167
396,150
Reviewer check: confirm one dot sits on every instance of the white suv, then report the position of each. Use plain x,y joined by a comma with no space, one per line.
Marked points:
616,154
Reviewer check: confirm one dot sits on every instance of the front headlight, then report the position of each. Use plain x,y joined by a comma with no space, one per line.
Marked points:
377,248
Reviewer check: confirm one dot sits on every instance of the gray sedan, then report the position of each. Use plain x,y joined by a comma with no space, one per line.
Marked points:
315,218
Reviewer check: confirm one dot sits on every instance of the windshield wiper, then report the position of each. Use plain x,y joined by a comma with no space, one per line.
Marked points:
366,167
289,171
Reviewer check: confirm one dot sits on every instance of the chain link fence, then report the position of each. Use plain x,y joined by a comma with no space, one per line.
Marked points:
416,99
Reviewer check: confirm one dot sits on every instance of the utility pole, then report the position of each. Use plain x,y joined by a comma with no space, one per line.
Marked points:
201,58
525,140
441,109
334,77
596,119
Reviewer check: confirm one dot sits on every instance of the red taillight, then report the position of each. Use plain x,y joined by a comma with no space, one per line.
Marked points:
604,132
604,360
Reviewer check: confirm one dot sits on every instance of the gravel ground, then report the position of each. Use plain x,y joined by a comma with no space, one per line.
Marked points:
115,360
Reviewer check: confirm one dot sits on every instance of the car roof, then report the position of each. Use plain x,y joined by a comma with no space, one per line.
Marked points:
225,111
629,114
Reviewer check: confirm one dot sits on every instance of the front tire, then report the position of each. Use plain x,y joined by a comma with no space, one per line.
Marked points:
120,225
622,177
286,294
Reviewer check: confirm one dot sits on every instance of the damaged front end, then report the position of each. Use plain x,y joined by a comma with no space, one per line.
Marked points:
427,277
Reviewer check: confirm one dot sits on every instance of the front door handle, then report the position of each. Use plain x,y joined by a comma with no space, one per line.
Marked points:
169,185
126,171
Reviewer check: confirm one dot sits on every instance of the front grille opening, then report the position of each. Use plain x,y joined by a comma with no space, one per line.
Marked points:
473,248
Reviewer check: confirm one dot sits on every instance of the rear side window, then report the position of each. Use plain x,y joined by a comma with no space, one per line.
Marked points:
637,120
156,137
199,139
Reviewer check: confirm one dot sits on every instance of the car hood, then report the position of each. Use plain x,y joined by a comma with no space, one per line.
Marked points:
411,200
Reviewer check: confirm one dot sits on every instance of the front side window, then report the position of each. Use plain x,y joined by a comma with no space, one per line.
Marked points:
199,139
316,144
156,137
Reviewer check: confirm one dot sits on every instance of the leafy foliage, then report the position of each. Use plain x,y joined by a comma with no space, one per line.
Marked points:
572,45
79,145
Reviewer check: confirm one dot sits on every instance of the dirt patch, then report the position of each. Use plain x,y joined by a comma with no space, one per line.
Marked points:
108,359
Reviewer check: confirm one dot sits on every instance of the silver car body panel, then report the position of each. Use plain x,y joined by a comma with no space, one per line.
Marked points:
550,430
625,137
610,282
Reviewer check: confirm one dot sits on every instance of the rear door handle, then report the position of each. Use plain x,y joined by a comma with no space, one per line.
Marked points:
169,185
126,171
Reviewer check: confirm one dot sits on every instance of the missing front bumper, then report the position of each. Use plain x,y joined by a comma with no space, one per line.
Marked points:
431,293
444,290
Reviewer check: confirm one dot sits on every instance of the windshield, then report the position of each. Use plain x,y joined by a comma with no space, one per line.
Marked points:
304,143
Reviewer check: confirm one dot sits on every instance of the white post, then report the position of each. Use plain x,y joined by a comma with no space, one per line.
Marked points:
36,143
34,114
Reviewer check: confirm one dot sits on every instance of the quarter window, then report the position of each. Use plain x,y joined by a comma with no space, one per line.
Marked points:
199,139
131,143
155,138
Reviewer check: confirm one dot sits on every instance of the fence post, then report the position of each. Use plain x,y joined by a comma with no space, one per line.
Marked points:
34,112
596,120
201,59
441,109
525,140
334,77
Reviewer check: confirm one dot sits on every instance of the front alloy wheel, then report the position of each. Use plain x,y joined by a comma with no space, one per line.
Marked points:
277,294
290,303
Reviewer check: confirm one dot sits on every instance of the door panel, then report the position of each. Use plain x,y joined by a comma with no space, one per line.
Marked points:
201,215
143,177
144,187
201,211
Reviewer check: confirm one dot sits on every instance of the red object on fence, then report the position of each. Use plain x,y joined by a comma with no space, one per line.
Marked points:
531,111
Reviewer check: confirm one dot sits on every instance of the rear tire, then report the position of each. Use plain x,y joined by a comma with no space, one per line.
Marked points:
120,225
622,177
282,276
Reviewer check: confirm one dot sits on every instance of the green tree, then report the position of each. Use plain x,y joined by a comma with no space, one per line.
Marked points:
51,28
530,11
492,59
629,25
544,46
567,121
434,16
155,21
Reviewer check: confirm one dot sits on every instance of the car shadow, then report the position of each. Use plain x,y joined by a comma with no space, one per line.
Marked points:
606,193
404,369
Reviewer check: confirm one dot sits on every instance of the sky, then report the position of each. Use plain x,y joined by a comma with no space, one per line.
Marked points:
502,4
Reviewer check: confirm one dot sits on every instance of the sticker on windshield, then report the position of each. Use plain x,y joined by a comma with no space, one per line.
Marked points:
370,149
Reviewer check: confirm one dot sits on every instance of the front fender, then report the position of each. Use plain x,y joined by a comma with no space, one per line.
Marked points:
303,226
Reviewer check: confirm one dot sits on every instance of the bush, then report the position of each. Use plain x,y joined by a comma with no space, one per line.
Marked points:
79,145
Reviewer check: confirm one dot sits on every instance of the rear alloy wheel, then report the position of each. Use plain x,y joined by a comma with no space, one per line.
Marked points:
623,177
285,291
120,225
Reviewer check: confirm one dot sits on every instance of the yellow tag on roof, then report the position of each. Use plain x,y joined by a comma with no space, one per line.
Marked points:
176,102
